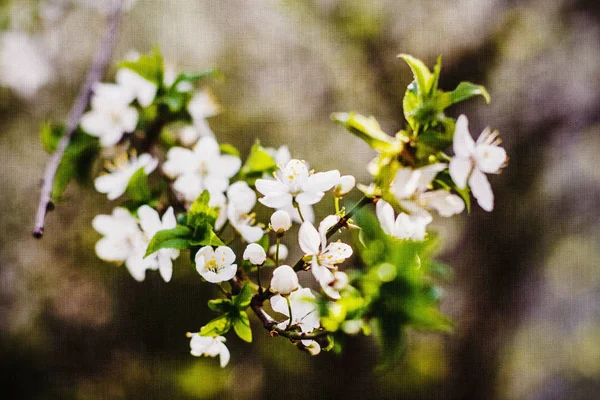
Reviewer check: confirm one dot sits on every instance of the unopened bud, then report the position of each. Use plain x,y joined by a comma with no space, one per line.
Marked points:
255,253
285,280
345,185
281,221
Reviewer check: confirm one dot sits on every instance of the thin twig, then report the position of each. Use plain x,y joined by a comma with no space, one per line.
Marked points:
94,75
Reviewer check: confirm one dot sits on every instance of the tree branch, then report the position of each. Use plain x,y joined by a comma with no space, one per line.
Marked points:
93,76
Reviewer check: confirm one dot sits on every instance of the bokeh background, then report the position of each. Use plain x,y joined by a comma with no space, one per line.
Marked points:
525,295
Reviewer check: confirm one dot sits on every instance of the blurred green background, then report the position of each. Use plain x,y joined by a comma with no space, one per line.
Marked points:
526,290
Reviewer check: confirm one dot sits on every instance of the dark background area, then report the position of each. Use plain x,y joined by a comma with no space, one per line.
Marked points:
525,296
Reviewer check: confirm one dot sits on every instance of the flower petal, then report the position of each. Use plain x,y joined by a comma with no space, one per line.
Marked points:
278,200
459,170
149,220
268,187
309,239
482,191
489,158
309,198
385,215
463,143
224,256
322,181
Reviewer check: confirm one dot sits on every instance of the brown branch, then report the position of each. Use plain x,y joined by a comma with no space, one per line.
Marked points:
94,75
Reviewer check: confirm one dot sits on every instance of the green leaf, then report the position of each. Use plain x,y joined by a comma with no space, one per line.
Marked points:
200,213
221,305
217,327
176,238
230,149
241,326
367,129
464,91
242,300
149,66
258,163
75,163
137,188
50,135
421,73
193,78
205,236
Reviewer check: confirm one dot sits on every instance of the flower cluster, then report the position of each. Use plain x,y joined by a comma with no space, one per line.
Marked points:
160,154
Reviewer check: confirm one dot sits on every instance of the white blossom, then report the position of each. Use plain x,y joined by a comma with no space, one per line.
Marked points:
404,226
305,314
143,89
151,223
114,183
201,107
325,256
188,135
410,188
111,114
255,254
284,281
123,241
210,346
294,183
24,67
202,168
283,251
340,281
281,155
281,221
241,202
472,160
344,186
216,265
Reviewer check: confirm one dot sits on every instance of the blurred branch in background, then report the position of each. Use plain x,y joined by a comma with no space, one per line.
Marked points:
95,73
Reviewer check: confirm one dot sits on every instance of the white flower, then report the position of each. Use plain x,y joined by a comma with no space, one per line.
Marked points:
344,186
201,168
111,115
294,183
123,241
281,221
410,188
405,226
23,65
305,314
143,89
151,223
324,256
283,251
255,254
201,107
472,160
210,347
216,265
313,348
115,182
285,280
241,201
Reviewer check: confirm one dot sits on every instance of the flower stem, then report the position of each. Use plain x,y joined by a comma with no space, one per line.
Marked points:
289,304
278,241
299,211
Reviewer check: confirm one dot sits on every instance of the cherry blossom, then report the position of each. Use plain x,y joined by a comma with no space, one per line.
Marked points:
210,346
216,265
305,314
151,223
284,281
143,89
404,226
116,181
241,202
202,168
472,160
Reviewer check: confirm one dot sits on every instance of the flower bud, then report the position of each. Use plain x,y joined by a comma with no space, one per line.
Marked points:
345,185
313,348
281,221
285,280
255,253
283,251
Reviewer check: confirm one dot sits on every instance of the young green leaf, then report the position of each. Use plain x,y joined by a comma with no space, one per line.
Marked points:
218,326
464,91
201,213
137,188
176,238
230,149
50,135
258,163
241,326
421,73
367,129
221,305
149,66
242,300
